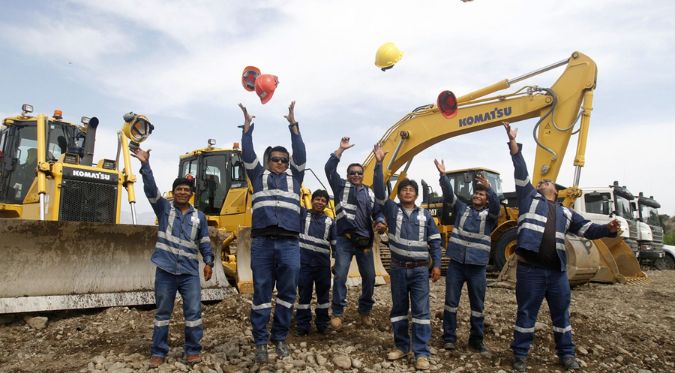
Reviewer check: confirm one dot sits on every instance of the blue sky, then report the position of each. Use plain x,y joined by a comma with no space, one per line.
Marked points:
179,62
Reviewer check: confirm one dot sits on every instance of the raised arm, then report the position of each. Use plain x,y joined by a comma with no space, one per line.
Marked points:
158,203
299,157
446,187
378,178
493,199
523,185
584,228
333,160
251,161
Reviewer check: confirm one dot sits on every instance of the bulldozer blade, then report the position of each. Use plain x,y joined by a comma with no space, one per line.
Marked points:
51,265
617,262
245,276
583,262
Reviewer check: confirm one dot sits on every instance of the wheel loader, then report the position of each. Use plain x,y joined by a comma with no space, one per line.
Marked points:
62,245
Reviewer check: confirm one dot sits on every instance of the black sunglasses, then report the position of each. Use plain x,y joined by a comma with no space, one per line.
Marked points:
279,159
355,173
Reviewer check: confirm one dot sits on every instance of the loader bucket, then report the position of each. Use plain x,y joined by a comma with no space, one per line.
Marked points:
582,262
617,262
51,265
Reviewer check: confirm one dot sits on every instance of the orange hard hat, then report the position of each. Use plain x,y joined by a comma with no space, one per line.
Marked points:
447,104
265,85
249,76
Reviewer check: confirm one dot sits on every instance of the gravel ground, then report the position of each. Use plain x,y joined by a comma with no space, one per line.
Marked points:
617,328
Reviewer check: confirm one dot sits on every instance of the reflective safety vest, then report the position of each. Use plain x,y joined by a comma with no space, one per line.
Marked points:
316,239
276,201
412,238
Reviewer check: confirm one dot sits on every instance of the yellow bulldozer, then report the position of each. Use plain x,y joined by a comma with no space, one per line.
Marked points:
558,108
62,245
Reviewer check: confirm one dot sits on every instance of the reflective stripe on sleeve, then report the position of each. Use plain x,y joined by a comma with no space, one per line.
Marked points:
522,182
252,165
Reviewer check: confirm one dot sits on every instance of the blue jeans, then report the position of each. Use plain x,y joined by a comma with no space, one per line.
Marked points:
533,284
474,276
410,289
343,258
274,262
166,285
310,275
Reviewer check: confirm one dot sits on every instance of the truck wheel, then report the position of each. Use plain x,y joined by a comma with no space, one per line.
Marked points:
505,247
664,263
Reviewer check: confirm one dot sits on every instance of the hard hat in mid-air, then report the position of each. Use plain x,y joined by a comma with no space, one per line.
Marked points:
265,85
248,77
447,104
387,56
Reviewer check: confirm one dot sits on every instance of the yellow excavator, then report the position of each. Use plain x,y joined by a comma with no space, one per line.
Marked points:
62,245
558,108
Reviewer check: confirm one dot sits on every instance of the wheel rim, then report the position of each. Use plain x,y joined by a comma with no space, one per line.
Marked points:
510,249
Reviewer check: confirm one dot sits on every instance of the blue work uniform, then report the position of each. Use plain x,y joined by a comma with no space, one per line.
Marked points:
535,282
413,239
469,251
355,207
275,253
316,240
180,238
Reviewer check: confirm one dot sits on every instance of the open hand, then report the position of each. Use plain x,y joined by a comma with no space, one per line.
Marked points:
510,132
291,113
141,155
248,118
378,152
440,166
480,179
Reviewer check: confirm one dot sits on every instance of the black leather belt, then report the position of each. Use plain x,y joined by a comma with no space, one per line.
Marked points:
410,264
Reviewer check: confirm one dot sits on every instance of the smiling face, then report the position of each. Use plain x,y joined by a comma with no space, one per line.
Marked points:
407,195
319,204
479,199
355,174
182,194
278,162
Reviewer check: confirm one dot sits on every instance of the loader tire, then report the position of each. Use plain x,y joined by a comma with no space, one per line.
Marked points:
505,247
665,263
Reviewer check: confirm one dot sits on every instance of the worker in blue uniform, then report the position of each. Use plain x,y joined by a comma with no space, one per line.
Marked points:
275,251
415,246
469,252
316,239
182,234
355,208
542,260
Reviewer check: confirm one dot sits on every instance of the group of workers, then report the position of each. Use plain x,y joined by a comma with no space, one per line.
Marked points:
291,248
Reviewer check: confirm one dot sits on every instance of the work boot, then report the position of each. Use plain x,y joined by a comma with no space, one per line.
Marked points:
396,354
301,332
569,362
193,359
366,320
156,361
261,356
519,364
336,322
480,348
281,349
449,346
422,363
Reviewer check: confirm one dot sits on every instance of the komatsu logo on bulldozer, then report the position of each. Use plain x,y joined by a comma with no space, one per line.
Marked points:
91,175
488,115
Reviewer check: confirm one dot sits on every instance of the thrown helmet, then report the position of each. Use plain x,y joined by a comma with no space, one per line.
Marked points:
387,56
265,85
249,76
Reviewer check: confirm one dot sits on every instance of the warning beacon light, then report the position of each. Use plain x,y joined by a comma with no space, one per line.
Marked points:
447,104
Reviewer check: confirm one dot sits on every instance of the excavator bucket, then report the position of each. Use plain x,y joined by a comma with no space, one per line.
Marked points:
245,276
51,265
617,262
583,262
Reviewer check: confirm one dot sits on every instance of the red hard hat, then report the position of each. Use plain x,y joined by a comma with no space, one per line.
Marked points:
265,85
249,76
447,104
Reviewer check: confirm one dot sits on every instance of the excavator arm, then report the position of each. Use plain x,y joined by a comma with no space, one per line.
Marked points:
557,107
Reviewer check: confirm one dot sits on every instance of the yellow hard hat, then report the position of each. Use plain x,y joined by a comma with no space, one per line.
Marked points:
137,127
387,55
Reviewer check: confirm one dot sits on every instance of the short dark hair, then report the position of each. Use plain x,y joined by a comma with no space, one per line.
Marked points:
183,181
279,149
321,193
354,165
407,182
480,188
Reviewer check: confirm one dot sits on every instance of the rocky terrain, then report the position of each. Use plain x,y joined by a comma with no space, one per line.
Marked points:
617,328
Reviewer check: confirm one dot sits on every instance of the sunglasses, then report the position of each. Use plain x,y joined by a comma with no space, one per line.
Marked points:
279,159
355,173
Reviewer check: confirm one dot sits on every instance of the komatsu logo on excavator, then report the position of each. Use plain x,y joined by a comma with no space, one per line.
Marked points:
488,115
91,175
